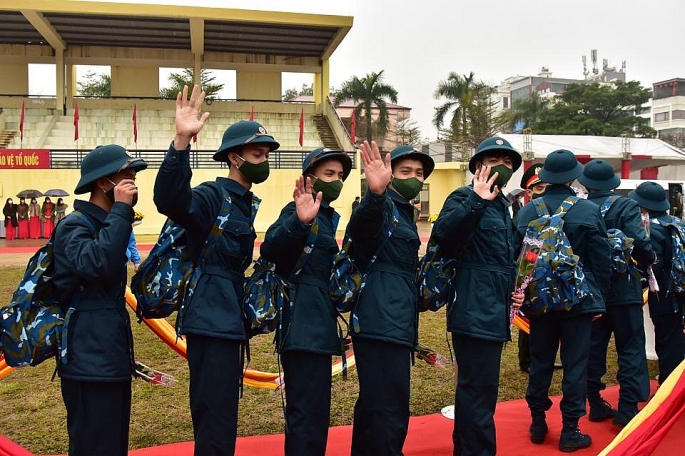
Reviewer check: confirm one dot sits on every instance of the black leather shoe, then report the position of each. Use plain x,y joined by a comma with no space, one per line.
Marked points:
573,441
600,410
538,432
622,419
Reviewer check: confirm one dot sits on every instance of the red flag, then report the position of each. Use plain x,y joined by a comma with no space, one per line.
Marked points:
301,127
21,122
135,124
195,138
76,117
252,113
353,129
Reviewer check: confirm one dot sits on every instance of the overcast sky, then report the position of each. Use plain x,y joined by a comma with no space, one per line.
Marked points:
418,43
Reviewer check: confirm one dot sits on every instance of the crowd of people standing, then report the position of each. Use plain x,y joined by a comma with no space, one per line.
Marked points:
32,220
475,227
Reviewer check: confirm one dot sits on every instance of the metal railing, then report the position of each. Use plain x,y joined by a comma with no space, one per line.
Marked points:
279,159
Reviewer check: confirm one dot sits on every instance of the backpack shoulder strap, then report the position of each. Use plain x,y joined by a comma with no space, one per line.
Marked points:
394,220
540,207
218,227
86,219
566,205
308,247
606,205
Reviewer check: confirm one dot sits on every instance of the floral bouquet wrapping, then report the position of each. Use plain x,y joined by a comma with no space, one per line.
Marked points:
525,266
429,356
154,376
651,279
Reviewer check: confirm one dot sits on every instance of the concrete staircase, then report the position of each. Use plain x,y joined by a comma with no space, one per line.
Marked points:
325,132
6,137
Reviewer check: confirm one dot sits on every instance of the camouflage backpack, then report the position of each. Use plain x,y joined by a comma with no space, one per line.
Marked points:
676,282
554,278
347,280
435,275
165,281
266,292
31,325
621,245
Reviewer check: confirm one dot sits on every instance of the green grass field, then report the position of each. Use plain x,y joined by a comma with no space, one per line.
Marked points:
32,412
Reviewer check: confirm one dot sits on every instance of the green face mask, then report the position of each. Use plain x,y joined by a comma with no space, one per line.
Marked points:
255,173
408,188
331,190
536,195
503,176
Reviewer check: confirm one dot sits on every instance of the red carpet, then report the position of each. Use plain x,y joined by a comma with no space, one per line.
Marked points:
431,435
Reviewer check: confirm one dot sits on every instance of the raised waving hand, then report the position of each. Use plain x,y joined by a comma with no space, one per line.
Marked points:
188,120
377,171
306,205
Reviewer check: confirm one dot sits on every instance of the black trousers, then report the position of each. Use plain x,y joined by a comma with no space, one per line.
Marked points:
98,416
546,332
524,350
215,372
475,398
381,414
669,343
308,402
626,322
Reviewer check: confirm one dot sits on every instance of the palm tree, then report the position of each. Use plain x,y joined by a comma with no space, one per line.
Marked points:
367,93
471,105
527,112
187,78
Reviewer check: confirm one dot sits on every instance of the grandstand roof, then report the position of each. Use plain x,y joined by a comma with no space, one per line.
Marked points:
68,23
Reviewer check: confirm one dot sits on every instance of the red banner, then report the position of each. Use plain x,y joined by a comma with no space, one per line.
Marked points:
301,137
24,159
135,124
21,122
353,129
76,118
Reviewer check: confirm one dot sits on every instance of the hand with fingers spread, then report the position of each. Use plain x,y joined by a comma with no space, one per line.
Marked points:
188,120
484,185
377,171
306,205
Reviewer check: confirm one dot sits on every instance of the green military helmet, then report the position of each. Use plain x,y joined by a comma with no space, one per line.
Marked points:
599,175
491,145
324,153
402,152
561,166
105,161
241,133
651,196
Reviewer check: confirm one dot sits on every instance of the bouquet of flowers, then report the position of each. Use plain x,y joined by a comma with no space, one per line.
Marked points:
432,218
138,216
429,356
526,266
154,376
651,279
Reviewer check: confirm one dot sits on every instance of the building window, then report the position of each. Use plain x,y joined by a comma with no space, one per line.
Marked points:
661,117
505,102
